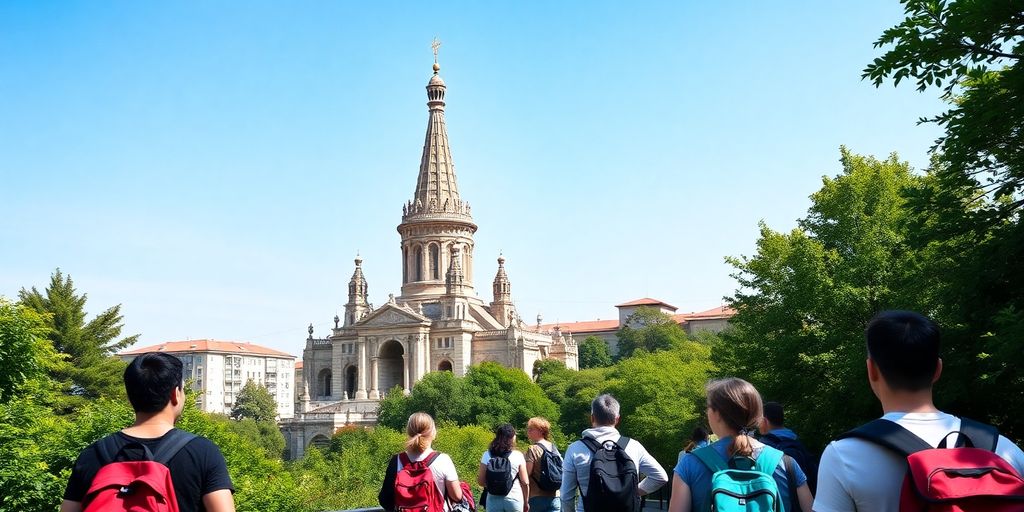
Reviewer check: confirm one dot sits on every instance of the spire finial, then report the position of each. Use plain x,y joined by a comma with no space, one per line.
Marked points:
435,44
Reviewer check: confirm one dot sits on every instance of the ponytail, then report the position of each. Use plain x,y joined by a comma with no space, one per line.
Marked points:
421,432
739,405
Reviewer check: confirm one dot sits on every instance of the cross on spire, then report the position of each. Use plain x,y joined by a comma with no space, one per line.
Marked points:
435,45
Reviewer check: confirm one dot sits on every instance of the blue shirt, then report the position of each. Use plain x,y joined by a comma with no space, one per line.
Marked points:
783,433
698,477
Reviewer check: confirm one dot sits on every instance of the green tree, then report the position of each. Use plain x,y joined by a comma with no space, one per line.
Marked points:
650,330
968,213
93,370
254,402
662,396
594,353
25,352
974,52
506,395
488,395
806,295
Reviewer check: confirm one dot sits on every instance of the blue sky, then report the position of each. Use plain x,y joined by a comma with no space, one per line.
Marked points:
215,166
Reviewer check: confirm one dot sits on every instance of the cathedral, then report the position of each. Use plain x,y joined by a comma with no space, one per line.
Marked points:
436,323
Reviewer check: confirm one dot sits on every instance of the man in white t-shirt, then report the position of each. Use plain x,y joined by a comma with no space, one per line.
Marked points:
903,364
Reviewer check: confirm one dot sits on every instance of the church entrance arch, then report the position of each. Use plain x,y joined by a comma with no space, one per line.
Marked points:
350,382
444,366
391,365
320,442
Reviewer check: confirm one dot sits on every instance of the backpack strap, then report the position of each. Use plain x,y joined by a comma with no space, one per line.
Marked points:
404,459
768,460
622,442
888,434
981,435
591,444
791,482
431,458
172,443
108,447
710,458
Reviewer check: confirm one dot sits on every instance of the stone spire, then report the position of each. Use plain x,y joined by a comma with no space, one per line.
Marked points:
502,308
436,218
455,279
502,286
436,188
357,295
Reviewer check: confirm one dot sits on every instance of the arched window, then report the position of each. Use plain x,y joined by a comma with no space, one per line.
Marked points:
444,366
418,270
324,383
405,264
435,262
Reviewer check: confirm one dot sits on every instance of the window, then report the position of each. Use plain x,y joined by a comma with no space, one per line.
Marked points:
446,342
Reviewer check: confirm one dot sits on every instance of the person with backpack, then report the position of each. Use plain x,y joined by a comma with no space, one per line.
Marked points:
605,466
775,434
544,466
916,457
736,473
420,479
503,473
151,463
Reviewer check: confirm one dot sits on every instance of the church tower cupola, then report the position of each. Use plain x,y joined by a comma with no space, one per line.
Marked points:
357,295
502,308
436,219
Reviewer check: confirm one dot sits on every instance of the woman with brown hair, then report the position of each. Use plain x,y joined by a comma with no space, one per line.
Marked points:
734,412
503,473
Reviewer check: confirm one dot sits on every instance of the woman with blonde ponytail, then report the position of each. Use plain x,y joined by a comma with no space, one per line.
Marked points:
421,431
734,412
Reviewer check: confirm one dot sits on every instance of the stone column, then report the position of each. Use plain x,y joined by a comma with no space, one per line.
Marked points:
374,379
406,361
363,365
426,353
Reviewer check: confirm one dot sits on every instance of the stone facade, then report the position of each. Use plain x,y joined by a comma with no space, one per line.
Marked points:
437,323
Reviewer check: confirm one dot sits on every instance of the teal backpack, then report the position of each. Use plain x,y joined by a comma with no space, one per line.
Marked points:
743,484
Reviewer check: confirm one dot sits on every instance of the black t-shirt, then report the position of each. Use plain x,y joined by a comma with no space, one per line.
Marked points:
197,470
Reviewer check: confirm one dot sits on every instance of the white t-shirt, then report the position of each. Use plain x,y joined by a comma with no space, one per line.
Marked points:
518,463
443,469
855,474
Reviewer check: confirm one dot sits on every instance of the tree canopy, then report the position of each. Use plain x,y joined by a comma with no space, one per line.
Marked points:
593,353
90,346
488,395
254,402
650,330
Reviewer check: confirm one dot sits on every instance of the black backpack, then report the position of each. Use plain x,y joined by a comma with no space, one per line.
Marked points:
499,475
613,478
549,474
795,449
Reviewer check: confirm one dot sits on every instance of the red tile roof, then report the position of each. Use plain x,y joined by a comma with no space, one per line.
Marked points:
647,301
613,325
230,347
578,327
298,365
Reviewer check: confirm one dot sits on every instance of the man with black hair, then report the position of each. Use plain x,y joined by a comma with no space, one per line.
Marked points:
198,471
902,365
775,434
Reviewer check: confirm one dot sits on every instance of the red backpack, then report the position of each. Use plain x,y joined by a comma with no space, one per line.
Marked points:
415,490
968,477
135,486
